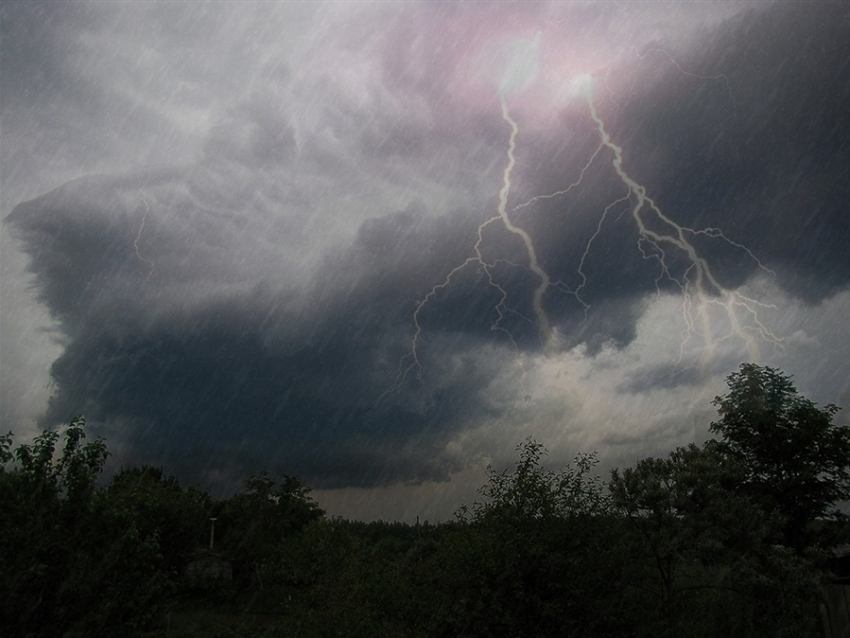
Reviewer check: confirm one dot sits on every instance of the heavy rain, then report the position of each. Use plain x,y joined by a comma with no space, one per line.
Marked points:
377,246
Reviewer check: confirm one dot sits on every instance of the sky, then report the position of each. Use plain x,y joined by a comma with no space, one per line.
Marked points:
377,245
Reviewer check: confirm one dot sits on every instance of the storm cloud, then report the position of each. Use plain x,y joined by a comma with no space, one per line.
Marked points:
286,252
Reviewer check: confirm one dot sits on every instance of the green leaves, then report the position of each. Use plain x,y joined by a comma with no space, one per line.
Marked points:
729,531
74,560
796,460
531,492
6,454
80,465
711,540
73,474
254,522
539,556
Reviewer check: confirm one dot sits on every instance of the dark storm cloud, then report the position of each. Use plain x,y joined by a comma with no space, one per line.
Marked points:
157,341
206,328
253,376
745,131
214,393
757,146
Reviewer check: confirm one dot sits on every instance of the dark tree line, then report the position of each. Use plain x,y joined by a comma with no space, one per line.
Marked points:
730,538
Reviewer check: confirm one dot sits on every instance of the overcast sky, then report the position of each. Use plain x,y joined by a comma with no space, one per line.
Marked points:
377,245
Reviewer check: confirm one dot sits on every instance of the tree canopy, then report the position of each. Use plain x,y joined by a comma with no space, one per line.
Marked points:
726,538
796,459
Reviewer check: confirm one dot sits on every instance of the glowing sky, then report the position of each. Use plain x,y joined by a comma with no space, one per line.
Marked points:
377,245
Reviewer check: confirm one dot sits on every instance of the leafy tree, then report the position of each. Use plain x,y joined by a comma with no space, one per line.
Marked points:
533,493
160,508
725,528
695,535
254,522
796,460
44,502
6,454
71,564
72,475
537,557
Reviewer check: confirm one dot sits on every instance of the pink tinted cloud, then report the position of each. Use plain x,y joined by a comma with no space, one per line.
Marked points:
456,57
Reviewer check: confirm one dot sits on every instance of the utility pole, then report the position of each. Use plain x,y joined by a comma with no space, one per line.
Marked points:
212,531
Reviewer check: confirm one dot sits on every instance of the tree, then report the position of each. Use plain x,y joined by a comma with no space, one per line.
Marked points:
254,522
44,503
796,460
160,508
695,534
537,557
72,563
533,493
726,527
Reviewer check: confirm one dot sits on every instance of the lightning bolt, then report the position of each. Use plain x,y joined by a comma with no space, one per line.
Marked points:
533,263
577,292
515,77
139,236
658,236
700,287
719,76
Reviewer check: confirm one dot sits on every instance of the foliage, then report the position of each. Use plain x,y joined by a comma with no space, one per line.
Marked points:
533,493
160,508
253,522
537,557
697,535
727,530
797,460
72,475
72,565
712,540
6,454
